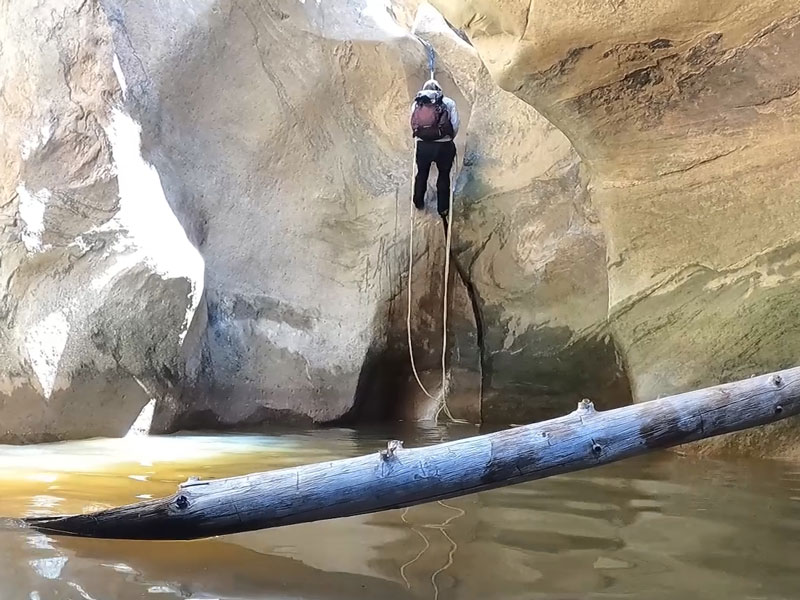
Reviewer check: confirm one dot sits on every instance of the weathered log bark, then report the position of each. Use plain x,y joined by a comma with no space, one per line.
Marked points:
404,477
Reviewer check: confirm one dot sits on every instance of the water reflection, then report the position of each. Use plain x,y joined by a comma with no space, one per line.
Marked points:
659,527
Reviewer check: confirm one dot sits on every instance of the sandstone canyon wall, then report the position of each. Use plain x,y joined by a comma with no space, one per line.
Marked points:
529,238
203,204
686,115
98,282
207,203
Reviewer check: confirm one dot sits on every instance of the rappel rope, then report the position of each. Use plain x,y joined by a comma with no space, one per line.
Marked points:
410,267
443,404
441,398
431,55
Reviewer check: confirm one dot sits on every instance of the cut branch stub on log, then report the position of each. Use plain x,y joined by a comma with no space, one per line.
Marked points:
399,477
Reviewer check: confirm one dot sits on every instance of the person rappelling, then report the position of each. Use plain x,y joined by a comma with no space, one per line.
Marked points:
434,124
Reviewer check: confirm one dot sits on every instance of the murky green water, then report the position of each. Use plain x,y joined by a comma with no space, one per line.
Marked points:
660,527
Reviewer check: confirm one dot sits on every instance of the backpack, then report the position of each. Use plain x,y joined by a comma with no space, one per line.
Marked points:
430,120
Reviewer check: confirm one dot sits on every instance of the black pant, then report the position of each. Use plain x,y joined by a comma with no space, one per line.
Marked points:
443,154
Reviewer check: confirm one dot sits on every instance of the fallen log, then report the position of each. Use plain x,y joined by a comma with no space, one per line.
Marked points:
399,477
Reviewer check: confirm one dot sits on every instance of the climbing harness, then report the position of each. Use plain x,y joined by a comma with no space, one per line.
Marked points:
441,398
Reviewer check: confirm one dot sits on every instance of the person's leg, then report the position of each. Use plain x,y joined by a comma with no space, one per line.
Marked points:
424,158
444,163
